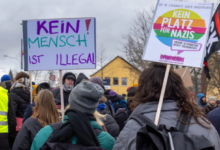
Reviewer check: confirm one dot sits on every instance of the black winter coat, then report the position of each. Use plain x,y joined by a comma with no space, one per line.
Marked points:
27,134
121,117
56,92
7,139
20,98
56,95
112,126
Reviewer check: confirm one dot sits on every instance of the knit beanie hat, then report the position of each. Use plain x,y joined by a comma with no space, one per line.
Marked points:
5,78
97,80
85,97
112,93
212,98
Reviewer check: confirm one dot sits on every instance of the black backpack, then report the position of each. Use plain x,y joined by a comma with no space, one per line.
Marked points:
78,125
121,117
151,137
68,145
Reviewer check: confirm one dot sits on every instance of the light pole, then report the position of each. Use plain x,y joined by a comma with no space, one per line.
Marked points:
13,58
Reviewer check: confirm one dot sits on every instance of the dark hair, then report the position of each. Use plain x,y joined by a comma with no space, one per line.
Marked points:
42,86
131,91
150,85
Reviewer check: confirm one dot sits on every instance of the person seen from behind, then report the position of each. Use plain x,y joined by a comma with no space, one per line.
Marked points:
44,113
201,100
109,122
81,77
122,114
117,101
176,100
99,81
20,94
6,82
82,124
29,110
7,121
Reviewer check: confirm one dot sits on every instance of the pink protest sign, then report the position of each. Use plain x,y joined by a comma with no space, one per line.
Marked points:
19,123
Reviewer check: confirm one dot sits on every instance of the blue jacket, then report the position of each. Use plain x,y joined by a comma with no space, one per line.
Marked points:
28,111
214,117
199,97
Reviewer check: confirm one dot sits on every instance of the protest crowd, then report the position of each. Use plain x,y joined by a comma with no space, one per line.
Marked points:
100,118
158,111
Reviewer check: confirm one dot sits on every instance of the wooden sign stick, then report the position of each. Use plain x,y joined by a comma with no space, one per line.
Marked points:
61,93
30,78
162,95
184,73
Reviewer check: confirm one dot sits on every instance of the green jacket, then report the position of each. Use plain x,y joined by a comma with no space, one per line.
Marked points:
106,140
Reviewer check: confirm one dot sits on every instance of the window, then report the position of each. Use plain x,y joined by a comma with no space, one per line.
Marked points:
107,81
115,81
124,81
108,78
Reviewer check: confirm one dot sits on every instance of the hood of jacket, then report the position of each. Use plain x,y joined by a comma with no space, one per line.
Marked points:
80,77
6,85
168,105
199,97
67,73
24,93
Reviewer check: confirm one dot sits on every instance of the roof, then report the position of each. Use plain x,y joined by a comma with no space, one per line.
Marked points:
112,61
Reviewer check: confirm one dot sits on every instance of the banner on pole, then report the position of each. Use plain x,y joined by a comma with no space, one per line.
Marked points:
179,33
59,44
22,54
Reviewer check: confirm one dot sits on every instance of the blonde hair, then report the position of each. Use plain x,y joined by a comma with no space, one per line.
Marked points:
45,110
99,117
103,99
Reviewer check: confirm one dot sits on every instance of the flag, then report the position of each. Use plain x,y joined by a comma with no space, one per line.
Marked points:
213,43
22,54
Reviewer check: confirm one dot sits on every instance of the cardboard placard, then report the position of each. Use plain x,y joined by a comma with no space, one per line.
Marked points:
59,44
186,76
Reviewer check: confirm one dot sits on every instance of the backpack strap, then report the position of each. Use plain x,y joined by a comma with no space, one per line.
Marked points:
141,119
56,125
183,122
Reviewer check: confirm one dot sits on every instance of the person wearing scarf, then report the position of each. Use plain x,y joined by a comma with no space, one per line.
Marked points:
211,104
69,82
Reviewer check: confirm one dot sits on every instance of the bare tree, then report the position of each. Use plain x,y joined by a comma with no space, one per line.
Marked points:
36,76
101,58
136,38
213,86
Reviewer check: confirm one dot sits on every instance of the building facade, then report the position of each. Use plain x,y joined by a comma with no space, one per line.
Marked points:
121,74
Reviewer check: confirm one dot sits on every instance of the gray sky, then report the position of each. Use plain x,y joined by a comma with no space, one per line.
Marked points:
113,19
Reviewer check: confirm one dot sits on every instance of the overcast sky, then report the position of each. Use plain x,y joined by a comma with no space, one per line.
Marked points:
113,19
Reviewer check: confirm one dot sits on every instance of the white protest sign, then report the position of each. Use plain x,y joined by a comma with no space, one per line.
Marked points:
59,44
179,33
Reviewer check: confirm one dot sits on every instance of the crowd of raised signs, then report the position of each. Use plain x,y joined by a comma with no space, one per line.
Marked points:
97,118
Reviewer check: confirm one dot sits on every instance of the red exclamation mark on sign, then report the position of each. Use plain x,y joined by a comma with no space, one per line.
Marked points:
87,24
